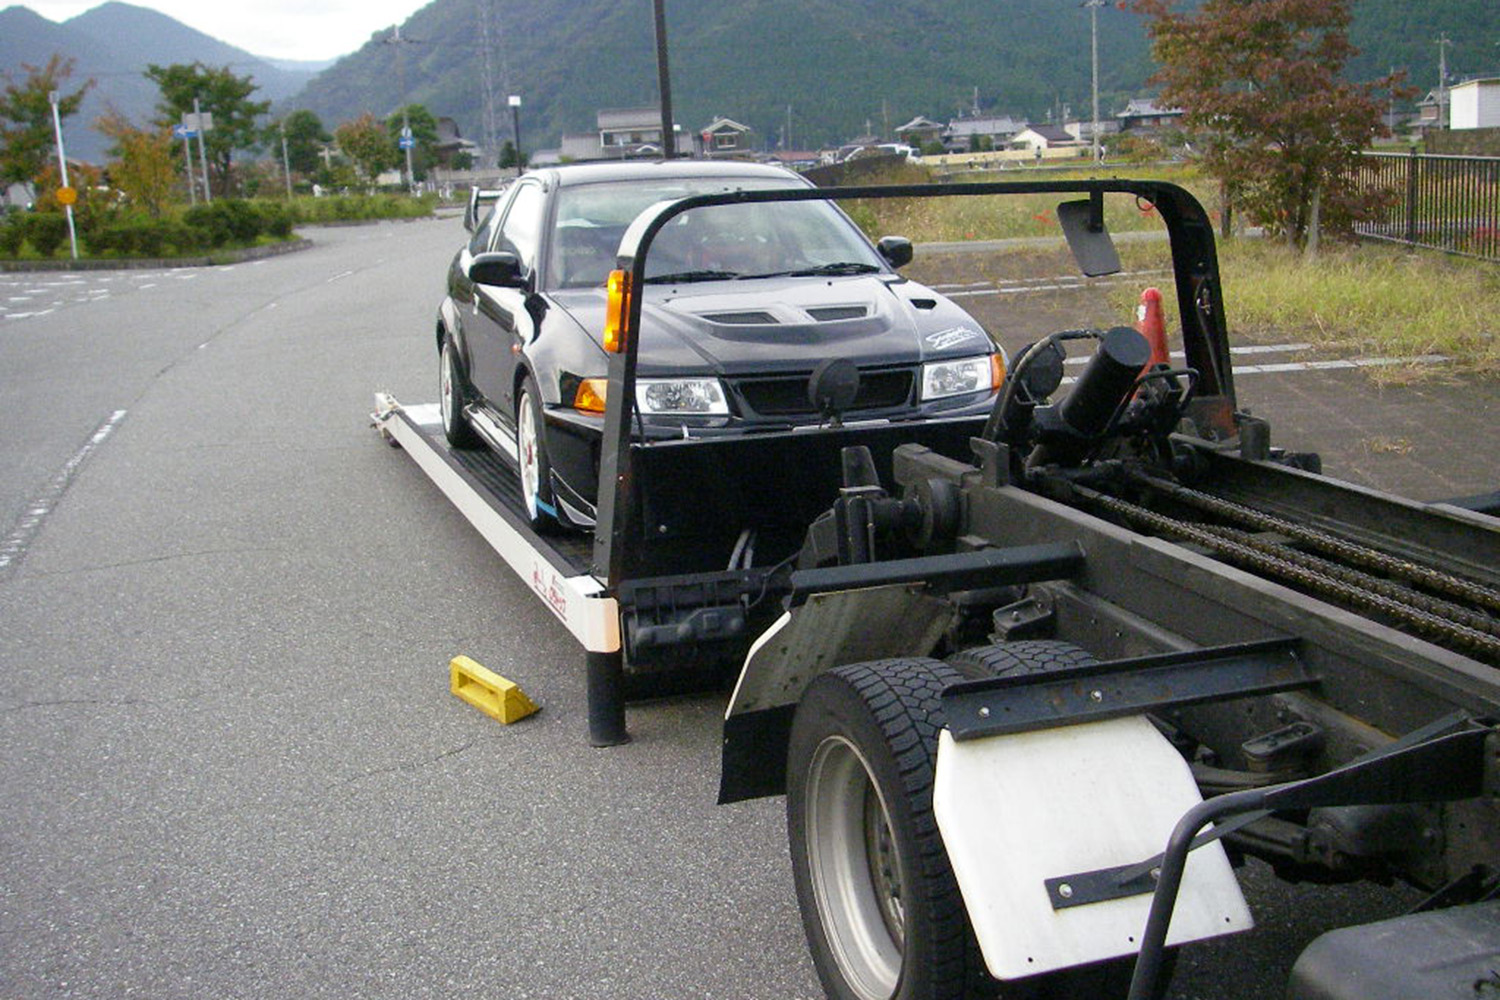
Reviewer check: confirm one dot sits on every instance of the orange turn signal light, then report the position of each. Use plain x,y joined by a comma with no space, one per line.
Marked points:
591,394
997,370
616,310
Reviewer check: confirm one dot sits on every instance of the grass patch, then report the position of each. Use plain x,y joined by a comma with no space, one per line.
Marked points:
1362,300
983,217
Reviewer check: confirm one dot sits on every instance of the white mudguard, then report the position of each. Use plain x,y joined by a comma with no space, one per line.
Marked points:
1017,810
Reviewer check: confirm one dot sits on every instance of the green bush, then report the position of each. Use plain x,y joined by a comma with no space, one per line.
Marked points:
12,234
141,236
46,231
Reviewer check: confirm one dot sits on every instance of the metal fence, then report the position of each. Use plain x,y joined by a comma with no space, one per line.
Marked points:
1449,203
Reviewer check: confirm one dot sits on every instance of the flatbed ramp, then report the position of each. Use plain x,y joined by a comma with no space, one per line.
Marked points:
487,493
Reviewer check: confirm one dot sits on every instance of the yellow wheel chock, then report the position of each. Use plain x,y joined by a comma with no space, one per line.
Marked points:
488,691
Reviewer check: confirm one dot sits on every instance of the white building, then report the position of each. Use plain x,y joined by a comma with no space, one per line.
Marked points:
1475,104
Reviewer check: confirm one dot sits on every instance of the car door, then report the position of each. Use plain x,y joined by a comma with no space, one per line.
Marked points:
500,325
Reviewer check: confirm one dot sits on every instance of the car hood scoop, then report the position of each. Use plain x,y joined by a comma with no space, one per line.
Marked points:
779,324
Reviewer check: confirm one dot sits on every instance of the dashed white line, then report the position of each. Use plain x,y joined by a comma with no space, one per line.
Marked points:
14,545
336,277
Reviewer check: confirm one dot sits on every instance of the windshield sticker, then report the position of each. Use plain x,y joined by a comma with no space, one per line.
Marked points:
948,338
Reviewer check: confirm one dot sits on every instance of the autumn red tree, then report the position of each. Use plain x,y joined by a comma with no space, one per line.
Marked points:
1259,83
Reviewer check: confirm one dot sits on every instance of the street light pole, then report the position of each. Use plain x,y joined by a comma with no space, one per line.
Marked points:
664,81
1093,6
515,124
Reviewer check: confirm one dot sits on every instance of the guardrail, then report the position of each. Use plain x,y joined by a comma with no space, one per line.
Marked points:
1447,203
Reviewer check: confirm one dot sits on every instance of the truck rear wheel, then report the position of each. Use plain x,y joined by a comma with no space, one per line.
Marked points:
1023,656
882,912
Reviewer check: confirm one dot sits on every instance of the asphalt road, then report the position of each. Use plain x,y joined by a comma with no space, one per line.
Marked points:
229,763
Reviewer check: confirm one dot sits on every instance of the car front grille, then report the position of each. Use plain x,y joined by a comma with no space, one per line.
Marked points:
786,396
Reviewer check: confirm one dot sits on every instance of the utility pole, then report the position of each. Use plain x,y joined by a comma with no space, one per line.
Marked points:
1442,43
664,80
406,141
1093,6
208,195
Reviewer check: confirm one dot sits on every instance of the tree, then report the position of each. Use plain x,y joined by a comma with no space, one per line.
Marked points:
367,142
220,93
305,139
1259,85
143,167
423,132
27,140
508,156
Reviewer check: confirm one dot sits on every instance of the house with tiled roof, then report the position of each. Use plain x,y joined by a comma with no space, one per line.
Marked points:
1141,114
964,135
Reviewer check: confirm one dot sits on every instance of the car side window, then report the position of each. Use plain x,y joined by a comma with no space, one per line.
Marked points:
485,231
521,232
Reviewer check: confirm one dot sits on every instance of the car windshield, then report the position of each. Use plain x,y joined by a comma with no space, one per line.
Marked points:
718,242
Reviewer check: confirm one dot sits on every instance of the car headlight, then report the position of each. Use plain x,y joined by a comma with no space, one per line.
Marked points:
680,397
941,379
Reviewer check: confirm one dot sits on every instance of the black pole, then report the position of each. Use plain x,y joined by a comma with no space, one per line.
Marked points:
606,696
664,81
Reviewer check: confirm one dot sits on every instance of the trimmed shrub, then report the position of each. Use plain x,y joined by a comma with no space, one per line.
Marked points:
46,231
12,234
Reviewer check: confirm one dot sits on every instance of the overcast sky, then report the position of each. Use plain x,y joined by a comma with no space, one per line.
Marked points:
282,29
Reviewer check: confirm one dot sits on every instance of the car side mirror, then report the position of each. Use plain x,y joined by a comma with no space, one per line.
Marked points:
500,268
896,250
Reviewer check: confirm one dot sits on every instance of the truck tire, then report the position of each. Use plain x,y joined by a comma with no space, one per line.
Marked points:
1024,656
1040,656
882,912
453,395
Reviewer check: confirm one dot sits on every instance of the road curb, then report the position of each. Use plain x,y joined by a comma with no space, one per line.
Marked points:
223,258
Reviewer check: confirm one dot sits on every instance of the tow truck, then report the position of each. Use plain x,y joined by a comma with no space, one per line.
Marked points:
1033,685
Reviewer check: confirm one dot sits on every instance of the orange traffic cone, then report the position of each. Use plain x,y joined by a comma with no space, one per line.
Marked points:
1150,324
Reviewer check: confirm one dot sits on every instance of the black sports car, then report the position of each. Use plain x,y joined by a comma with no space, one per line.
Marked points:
741,304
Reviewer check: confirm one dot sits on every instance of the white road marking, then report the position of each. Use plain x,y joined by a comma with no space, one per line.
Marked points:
14,545
336,277
41,312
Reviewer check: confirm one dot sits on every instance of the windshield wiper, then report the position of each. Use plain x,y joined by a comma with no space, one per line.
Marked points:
822,270
682,276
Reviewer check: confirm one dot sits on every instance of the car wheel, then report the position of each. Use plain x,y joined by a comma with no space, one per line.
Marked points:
531,453
452,396
882,911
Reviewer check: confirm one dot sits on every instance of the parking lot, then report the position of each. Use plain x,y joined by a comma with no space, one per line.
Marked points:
231,765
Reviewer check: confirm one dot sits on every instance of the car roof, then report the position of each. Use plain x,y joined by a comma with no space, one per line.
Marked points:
629,170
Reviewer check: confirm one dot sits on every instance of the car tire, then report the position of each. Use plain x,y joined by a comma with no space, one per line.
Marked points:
882,911
533,465
453,396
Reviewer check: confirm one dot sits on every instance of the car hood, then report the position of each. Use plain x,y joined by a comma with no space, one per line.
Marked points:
767,325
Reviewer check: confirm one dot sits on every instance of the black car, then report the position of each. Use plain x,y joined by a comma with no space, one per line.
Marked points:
741,303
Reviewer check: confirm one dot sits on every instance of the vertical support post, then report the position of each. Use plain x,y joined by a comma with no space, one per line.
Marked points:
62,166
286,162
606,694
187,167
1413,162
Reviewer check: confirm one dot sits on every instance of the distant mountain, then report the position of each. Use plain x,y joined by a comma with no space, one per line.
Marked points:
830,68
113,43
